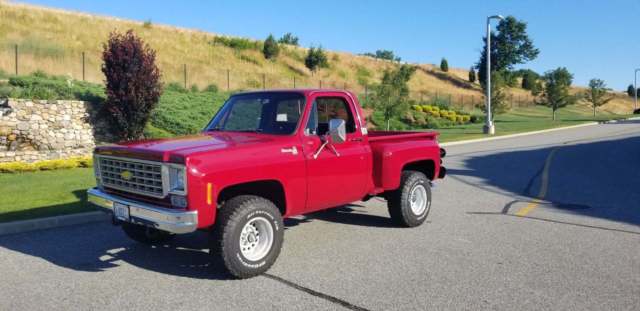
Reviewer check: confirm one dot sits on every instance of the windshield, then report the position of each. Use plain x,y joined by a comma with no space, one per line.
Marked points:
270,113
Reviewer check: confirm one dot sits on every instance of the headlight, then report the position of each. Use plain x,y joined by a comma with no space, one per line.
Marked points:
177,180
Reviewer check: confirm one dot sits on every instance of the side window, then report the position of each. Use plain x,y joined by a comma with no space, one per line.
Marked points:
325,109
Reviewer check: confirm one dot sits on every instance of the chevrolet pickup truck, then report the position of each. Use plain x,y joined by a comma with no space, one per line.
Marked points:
263,157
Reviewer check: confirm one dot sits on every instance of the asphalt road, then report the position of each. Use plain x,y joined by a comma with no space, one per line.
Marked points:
549,221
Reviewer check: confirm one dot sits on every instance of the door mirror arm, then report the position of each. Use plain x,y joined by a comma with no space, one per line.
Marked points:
337,135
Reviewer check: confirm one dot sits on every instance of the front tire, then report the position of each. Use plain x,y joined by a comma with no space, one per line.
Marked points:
248,237
410,204
146,235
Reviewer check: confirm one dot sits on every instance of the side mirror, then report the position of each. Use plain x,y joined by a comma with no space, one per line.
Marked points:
337,131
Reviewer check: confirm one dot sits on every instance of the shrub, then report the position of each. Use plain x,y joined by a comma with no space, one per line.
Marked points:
452,118
270,48
46,165
237,43
288,38
426,108
212,88
435,114
39,85
133,84
460,119
466,119
316,58
418,108
444,65
194,88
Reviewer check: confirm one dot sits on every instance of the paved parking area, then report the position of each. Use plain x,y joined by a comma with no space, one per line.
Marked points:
492,241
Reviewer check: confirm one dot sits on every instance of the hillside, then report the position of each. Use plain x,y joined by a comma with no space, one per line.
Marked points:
53,41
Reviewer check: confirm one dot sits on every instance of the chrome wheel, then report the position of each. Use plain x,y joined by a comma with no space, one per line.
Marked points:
256,238
418,199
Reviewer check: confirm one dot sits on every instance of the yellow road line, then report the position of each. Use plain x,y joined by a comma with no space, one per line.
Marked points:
544,186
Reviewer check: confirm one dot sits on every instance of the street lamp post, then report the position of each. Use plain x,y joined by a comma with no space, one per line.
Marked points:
489,128
635,89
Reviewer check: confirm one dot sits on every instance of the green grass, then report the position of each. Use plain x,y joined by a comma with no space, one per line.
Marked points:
521,120
44,194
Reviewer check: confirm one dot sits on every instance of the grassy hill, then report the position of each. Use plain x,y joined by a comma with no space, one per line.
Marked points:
54,40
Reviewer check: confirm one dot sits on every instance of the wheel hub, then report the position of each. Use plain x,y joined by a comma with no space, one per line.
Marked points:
256,238
418,199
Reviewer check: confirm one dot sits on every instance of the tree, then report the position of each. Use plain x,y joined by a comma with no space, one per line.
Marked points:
391,96
630,91
444,65
383,54
498,95
133,85
288,38
472,75
509,47
529,79
597,94
270,48
316,58
555,93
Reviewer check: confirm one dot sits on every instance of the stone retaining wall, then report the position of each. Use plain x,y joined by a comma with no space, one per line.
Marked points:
34,130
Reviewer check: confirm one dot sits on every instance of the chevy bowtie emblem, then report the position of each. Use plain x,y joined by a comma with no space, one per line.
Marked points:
126,175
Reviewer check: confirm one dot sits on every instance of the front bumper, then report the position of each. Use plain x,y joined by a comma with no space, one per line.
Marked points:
145,214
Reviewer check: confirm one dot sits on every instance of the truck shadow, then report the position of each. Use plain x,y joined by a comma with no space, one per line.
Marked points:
346,215
595,179
100,247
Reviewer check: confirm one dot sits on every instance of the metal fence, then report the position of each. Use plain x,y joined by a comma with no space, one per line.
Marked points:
86,66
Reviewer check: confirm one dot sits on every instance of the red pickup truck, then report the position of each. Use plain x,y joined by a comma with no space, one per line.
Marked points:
264,156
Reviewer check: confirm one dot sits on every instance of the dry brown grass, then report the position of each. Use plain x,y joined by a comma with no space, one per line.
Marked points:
53,40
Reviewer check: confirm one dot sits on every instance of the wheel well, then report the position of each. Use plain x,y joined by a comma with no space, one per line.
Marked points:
427,167
271,190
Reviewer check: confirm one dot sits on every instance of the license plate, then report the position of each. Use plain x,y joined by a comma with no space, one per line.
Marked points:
121,211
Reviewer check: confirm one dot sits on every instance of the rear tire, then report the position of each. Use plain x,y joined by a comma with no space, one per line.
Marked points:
146,235
410,204
248,236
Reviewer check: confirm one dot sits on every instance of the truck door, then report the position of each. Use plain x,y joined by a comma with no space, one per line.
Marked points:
338,175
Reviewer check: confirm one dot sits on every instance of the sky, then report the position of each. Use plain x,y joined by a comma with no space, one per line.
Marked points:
593,39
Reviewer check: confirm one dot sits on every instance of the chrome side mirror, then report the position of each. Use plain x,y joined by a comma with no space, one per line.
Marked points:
337,131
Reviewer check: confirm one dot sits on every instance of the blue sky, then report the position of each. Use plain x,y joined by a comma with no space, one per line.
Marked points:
591,38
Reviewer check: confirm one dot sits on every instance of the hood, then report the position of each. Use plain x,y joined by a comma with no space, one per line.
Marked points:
176,149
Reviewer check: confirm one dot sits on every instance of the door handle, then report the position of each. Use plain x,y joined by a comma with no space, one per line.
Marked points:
293,150
356,139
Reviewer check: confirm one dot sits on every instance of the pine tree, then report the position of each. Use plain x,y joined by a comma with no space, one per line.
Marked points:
472,75
270,48
444,65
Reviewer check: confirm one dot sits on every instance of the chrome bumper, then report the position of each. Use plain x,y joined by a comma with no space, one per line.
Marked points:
145,214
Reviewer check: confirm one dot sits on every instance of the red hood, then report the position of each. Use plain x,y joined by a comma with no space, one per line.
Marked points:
176,149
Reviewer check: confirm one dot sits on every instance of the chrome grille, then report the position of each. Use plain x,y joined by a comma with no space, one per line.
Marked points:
136,176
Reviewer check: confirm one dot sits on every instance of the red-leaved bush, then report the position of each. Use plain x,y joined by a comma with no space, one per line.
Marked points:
133,85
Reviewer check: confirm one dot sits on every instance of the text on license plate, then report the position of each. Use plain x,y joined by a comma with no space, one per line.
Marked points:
121,211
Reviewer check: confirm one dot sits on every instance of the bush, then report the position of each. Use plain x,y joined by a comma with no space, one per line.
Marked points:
133,84
460,119
452,118
288,38
237,43
46,165
194,88
444,65
435,114
39,85
466,119
316,58
270,48
418,108
211,88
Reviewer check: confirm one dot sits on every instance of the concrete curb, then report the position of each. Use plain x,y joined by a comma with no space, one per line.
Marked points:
469,141
51,222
